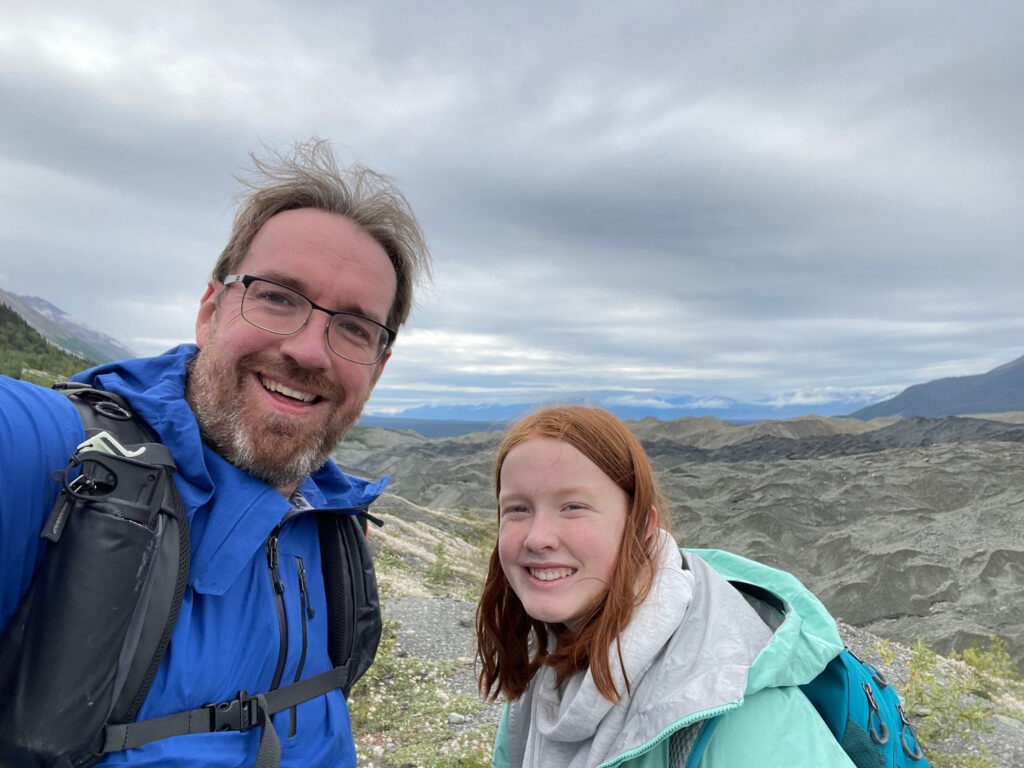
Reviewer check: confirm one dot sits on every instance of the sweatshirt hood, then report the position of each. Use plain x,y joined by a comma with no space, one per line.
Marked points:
728,645
687,651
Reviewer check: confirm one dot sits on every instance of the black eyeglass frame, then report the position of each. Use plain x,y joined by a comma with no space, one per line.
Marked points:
247,280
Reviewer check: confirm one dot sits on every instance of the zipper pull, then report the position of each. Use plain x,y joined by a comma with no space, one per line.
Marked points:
304,590
272,562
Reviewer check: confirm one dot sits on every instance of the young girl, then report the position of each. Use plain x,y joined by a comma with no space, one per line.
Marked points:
615,648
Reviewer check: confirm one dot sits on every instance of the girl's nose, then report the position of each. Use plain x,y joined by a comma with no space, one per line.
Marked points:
542,535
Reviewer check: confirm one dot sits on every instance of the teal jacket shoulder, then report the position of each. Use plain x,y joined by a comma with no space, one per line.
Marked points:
767,722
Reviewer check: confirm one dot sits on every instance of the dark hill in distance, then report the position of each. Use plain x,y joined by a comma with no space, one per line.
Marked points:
25,354
59,328
998,391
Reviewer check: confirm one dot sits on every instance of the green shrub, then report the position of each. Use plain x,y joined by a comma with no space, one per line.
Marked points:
943,704
994,660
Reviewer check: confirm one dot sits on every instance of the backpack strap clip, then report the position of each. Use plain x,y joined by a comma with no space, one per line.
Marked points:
239,714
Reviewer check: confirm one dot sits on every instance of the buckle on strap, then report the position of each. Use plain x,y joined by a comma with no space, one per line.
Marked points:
239,714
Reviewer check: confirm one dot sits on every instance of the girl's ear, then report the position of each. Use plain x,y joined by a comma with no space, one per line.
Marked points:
652,522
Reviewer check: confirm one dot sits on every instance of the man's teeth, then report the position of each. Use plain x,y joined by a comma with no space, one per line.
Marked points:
281,389
550,574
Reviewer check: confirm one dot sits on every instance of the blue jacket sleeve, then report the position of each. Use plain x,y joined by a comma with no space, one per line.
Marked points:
39,428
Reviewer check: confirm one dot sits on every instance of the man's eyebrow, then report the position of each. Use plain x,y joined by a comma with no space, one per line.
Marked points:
284,279
290,281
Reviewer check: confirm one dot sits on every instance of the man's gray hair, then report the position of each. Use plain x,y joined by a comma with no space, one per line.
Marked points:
309,177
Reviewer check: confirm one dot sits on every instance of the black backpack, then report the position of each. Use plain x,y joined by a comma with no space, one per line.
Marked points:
97,617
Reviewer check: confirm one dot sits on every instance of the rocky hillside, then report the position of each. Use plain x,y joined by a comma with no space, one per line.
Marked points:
418,706
59,328
910,528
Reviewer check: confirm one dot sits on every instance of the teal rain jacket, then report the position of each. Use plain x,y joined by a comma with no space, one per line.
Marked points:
766,720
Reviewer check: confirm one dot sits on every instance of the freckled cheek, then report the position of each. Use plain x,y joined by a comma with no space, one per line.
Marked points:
601,552
510,543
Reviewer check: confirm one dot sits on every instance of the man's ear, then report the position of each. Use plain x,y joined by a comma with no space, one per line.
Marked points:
380,367
206,317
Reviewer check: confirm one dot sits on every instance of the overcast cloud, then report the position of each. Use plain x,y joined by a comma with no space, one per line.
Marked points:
780,202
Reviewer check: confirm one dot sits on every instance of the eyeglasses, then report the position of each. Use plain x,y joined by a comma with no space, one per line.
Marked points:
279,309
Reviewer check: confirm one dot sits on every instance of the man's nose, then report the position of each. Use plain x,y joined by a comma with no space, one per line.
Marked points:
308,345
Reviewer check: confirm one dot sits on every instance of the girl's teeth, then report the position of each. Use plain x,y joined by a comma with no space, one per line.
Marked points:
551,574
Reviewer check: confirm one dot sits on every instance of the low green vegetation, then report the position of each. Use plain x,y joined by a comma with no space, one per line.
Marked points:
942,702
993,662
950,701
417,558
24,354
440,572
404,713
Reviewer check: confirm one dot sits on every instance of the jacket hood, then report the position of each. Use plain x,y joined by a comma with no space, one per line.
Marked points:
224,535
805,635
725,649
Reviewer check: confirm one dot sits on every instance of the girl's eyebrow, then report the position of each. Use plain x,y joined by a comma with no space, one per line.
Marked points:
581,490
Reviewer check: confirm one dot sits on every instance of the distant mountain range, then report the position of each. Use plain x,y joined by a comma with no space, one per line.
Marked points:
998,391
664,409
58,327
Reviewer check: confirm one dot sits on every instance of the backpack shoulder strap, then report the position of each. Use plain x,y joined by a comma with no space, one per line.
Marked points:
101,410
864,713
707,730
354,630
99,612
350,586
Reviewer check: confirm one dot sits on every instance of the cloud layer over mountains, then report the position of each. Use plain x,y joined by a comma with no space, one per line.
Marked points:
807,204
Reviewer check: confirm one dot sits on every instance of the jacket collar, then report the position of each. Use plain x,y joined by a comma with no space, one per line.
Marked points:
688,650
230,513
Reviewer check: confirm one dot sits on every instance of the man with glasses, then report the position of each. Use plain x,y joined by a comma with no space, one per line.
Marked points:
293,331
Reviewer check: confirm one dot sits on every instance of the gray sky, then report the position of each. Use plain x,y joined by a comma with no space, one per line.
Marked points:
790,202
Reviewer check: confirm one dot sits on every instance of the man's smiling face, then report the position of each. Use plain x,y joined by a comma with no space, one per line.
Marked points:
275,406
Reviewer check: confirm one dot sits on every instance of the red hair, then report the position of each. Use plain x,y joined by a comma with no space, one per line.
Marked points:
512,646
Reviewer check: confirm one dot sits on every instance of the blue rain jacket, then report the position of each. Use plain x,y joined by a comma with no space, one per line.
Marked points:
227,637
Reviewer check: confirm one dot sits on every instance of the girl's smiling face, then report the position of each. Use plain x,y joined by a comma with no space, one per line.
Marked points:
561,522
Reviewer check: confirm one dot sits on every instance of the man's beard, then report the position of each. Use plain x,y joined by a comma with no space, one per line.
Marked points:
275,449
